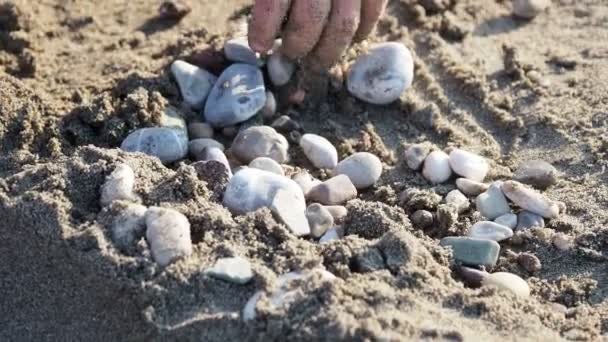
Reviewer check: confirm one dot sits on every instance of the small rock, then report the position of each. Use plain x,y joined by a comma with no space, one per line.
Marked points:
129,225
196,147
291,215
528,9
422,218
285,124
200,130
280,69
172,118
174,9
471,276
490,231
119,185
437,167
270,106
238,50
382,75
507,220
332,234
562,242
458,200
267,164
492,203
415,155
321,153
237,95
168,233
529,262
216,154
260,141
319,219
469,165
235,270
194,83
167,144
471,187
530,199
363,168
338,212
527,220
537,173
508,282
336,190
471,251
305,181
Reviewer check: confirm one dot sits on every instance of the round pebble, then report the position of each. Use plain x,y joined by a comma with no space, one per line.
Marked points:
336,190
321,153
458,200
529,262
422,218
196,147
319,219
194,83
238,50
363,169
492,203
470,187
128,225
469,165
267,164
167,144
537,173
415,155
528,9
260,141
200,130
490,231
168,233
527,220
508,282
119,185
529,199
383,74
507,220
235,270
237,95
280,69
437,167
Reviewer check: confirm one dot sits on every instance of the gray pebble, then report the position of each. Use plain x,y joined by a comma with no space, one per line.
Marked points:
280,69
196,147
336,190
527,220
471,251
321,153
285,124
507,220
267,164
260,141
537,173
470,187
194,83
168,233
415,155
270,106
492,203
363,169
319,219
235,270
167,144
200,130
490,231
238,50
422,218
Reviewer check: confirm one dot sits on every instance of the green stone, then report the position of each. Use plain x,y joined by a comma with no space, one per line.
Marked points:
470,251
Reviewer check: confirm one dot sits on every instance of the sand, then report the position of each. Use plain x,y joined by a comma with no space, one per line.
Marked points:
76,77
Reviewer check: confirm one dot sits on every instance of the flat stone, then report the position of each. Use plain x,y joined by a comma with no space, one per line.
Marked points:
237,95
422,218
508,282
167,144
168,234
469,165
527,220
458,200
415,155
194,83
507,220
119,185
196,147
267,164
336,190
280,69
200,130
363,168
492,203
537,173
470,187
129,225
471,251
528,9
238,50
332,234
338,212
235,270
437,167
321,153
490,231
260,141
530,200
319,219
383,74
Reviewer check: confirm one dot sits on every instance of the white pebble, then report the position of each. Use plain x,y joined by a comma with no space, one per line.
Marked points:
469,165
319,151
508,282
129,225
415,155
319,219
280,69
363,168
507,220
168,233
235,270
305,181
530,199
529,9
458,200
260,141
492,203
332,234
470,187
437,167
119,185
267,164
194,83
490,231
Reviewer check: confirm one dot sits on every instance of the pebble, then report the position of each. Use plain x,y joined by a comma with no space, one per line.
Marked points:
528,9
529,262
321,153
200,130
458,200
492,203
319,219
529,199
469,165
168,233
363,168
285,124
338,212
196,147
235,270
527,220
471,251
167,144
490,231
422,218
260,141
332,234
536,173
415,155
194,83
119,185
267,164
171,118
270,106
305,181
237,95
280,69
238,50
216,154
383,74
508,282
471,277
129,225
470,187
336,190
562,242
437,167
250,189
507,220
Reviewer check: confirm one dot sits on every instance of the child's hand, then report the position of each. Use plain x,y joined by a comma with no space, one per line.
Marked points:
319,30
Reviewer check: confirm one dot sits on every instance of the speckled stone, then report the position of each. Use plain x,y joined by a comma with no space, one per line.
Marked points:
422,218
167,144
471,251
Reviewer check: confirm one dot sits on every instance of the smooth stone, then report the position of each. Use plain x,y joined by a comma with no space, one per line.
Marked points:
237,95
470,187
319,219
363,168
458,200
527,220
415,155
338,212
267,164
168,233
471,251
305,181
528,9
529,199
238,50
251,189
332,234
490,231
334,191
285,124
508,282
383,74
280,69
492,203
216,154
119,185
436,167
196,147
321,153
260,141
507,220
270,106
167,144
171,118
235,270
422,218
194,83
129,225
200,130
536,173
469,165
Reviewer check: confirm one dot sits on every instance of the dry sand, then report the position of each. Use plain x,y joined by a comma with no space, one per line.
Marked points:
77,76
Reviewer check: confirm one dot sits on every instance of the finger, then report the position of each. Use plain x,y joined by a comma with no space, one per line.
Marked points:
338,34
267,17
371,11
305,25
